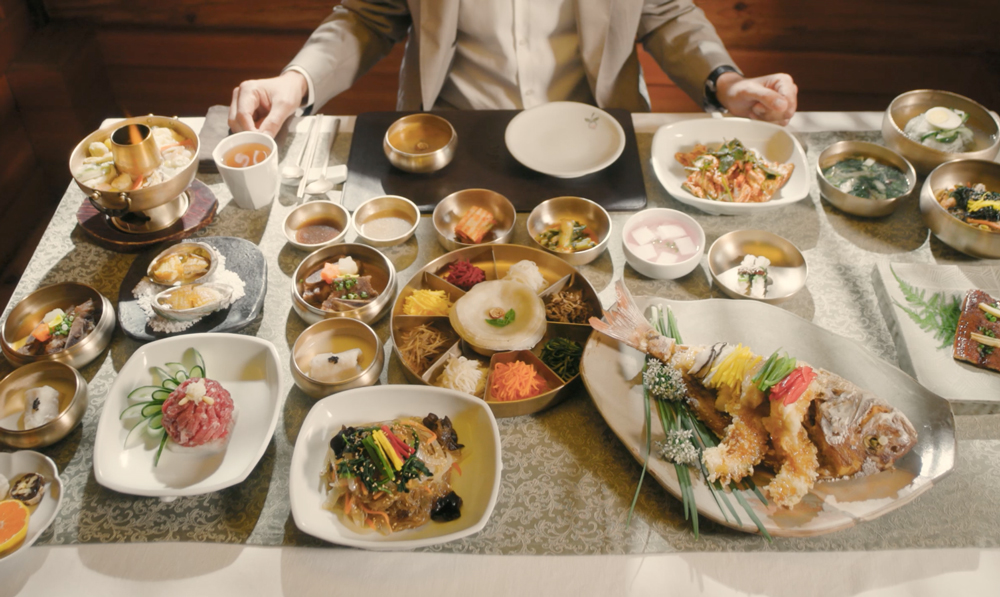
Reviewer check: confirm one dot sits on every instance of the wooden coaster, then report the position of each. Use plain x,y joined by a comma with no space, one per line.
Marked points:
199,214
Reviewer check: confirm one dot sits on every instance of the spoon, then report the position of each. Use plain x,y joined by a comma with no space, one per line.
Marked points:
295,171
322,185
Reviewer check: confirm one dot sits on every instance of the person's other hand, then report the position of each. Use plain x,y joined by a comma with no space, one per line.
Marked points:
773,98
264,104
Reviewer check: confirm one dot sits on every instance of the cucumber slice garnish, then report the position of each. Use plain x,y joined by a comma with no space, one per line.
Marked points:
181,376
165,376
160,394
199,362
171,384
175,368
144,392
163,442
152,409
156,422
136,409
136,431
197,372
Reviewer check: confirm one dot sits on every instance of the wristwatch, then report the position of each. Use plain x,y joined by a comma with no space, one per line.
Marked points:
711,103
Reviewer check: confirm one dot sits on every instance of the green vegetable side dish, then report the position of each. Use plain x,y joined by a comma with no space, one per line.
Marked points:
938,314
867,178
500,322
568,236
147,401
562,356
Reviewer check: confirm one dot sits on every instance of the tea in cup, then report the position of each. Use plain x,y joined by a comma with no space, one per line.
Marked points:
248,162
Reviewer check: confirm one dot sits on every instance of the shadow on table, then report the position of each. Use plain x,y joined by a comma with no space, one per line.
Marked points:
900,232
194,560
944,254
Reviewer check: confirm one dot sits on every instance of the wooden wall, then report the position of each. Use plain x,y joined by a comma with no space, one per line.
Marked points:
184,55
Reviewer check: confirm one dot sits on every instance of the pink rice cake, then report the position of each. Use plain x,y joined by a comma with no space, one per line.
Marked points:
197,422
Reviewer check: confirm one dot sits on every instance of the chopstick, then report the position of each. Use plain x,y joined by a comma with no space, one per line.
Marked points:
311,139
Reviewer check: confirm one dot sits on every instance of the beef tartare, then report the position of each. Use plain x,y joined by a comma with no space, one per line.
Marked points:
198,412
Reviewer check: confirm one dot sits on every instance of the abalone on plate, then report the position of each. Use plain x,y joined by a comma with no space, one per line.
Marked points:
499,315
183,263
192,301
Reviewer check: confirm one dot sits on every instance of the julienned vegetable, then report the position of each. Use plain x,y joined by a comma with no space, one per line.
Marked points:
562,356
568,236
774,370
791,388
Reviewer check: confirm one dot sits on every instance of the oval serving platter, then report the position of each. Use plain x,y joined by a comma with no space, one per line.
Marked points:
242,257
495,260
610,371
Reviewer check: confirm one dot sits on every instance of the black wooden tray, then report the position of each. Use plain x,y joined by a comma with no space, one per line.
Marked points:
482,161
242,257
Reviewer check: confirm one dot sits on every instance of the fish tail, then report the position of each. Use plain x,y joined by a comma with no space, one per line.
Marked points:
625,323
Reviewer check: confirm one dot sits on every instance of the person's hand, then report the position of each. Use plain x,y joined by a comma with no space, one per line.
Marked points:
772,97
264,104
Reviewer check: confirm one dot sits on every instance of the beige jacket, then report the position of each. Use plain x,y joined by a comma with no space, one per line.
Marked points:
360,32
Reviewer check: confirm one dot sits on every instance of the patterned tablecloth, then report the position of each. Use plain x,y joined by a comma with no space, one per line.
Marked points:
567,481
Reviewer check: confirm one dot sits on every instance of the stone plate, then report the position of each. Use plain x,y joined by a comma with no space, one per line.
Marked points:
242,257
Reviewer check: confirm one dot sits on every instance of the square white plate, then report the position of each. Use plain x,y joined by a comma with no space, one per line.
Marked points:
919,353
770,140
246,366
15,464
478,485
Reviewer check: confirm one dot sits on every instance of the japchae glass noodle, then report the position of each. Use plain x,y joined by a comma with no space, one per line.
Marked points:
464,375
516,381
568,306
420,345
393,475
427,302
526,272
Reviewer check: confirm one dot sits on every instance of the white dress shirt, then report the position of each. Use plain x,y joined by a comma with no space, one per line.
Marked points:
510,54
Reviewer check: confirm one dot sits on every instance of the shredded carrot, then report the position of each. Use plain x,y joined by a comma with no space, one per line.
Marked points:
457,468
429,432
516,381
138,182
371,523
347,503
376,513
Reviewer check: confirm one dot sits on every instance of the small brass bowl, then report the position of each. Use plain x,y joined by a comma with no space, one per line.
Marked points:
420,143
317,339
859,206
952,231
981,121
450,210
314,210
787,272
372,262
72,388
549,213
26,316
386,206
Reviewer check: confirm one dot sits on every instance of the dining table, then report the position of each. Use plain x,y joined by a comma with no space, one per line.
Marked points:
560,522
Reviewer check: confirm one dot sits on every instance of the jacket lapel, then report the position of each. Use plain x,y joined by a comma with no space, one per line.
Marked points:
607,31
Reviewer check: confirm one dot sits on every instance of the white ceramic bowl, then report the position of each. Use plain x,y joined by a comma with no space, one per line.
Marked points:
478,485
774,142
565,139
660,271
15,464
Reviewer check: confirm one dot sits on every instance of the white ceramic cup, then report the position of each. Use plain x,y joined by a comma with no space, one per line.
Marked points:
255,186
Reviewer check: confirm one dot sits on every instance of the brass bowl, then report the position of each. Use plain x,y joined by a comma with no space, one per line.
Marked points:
312,210
788,269
450,210
373,263
392,204
981,121
141,199
29,313
316,339
420,143
952,231
550,212
72,388
859,206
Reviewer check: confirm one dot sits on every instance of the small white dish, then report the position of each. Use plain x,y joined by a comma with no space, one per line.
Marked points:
565,139
247,367
663,271
770,140
15,464
478,485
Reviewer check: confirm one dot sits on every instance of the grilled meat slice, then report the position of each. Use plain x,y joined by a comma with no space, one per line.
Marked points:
975,320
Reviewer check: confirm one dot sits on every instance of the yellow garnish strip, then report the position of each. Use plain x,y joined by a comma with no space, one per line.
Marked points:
732,369
985,340
986,308
981,203
427,302
386,446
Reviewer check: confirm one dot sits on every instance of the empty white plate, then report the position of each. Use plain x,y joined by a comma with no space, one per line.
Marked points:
15,464
245,366
478,485
565,139
770,140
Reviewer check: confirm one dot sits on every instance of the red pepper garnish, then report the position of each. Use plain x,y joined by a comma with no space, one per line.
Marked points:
402,450
793,386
